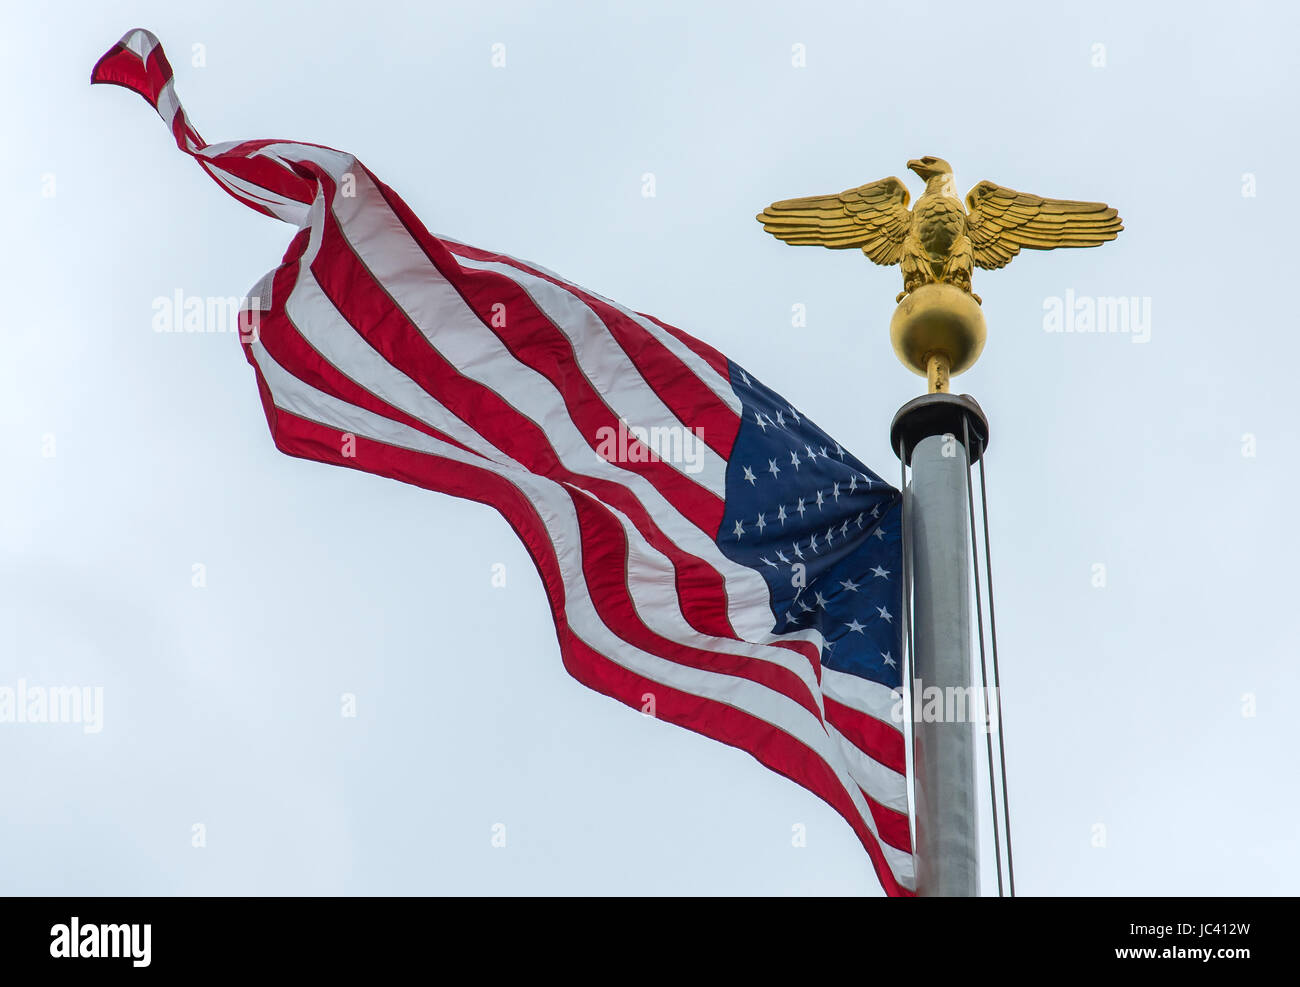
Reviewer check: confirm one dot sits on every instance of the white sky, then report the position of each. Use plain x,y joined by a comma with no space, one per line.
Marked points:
1124,704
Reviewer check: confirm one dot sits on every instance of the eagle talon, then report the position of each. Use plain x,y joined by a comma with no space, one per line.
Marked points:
908,288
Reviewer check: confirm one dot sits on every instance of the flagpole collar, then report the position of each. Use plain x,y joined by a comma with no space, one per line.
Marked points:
940,413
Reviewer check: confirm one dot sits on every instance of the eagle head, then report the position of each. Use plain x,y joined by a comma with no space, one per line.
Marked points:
929,166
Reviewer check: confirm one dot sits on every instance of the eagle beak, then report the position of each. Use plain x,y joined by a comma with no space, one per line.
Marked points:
916,166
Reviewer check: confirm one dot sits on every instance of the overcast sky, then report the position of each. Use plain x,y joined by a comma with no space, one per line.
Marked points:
1152,715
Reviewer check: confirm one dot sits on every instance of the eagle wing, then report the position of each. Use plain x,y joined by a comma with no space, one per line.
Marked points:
1002,220
873,217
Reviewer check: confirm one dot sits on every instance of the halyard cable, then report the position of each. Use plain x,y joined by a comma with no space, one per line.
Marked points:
997,677
984,672
905,536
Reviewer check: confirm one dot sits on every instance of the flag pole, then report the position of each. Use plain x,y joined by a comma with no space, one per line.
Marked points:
939,330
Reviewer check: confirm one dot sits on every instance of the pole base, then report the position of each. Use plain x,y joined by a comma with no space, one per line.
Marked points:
938,414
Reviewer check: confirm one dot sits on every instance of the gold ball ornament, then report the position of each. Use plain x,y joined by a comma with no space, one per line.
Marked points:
938,330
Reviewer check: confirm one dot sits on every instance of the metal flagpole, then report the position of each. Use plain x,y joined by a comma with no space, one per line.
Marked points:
927,432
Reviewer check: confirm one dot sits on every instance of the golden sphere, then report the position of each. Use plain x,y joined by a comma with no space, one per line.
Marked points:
938,319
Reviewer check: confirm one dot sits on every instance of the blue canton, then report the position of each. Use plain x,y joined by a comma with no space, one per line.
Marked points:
796,499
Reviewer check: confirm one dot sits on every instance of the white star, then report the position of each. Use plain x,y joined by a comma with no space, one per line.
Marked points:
780,514
794,460
849,585
794,414
888,659
875,511
835,492
820,601
745,377
789,619
773,468
797,554
844,528
885,615
819,500
880,572
804,607
780,419
830,535
762,523
838,451
812,456
880,532
782,557
767,562
828,645
739,530
823,451
759,420
749,475
868,480
859,519
855,626
812,542
800,508
853,484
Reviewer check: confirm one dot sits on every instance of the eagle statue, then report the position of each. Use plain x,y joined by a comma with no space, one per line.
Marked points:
939,240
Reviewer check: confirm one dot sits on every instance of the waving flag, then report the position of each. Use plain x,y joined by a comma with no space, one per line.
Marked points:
709,554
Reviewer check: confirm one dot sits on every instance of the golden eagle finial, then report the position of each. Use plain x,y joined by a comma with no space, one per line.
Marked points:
939,240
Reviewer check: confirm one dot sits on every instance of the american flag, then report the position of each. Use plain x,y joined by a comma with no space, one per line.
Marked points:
708,552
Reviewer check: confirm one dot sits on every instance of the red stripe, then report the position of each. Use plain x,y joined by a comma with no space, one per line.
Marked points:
120,66
701,349
685,395
157,70
265,173
251,203
879,741
805,648
890,824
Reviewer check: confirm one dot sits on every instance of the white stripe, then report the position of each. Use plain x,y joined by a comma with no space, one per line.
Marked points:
876,700
560,520
883,784
284,208
607,367
168,104
141,42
